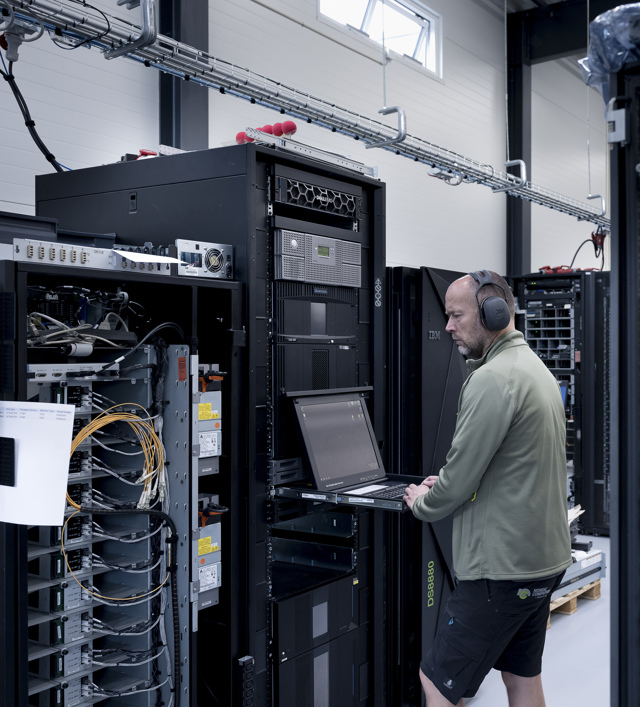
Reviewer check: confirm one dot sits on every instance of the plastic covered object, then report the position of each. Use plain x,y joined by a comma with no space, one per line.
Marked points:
614,42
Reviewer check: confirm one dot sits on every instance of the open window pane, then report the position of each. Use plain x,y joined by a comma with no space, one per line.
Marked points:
401,33
346,12
410,28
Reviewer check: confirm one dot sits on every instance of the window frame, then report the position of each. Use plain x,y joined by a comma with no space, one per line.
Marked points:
416,10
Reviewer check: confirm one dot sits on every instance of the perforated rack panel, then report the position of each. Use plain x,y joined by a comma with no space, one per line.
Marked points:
319,198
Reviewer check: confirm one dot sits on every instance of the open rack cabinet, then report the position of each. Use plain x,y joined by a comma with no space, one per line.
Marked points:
308,238
566,319
70,632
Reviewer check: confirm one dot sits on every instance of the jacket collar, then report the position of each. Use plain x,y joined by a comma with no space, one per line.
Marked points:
506,341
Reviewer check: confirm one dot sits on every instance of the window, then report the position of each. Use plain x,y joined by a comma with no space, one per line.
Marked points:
410,28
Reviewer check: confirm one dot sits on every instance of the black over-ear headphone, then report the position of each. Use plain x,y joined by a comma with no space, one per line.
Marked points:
494,311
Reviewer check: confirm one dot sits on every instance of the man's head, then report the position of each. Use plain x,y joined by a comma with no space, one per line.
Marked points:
462,309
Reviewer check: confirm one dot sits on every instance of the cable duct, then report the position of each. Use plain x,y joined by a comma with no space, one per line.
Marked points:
168,55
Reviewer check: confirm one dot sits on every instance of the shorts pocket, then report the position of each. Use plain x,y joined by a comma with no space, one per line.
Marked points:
458,656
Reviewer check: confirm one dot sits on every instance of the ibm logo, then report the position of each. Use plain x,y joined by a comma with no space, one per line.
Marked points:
434,336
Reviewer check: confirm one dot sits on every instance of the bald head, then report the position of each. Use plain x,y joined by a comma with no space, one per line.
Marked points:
464,324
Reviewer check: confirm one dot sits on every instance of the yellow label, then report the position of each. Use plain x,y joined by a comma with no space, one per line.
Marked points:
216,415
216,547
204,411
204,546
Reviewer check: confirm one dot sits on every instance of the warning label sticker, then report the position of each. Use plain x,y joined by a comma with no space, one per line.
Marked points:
208,444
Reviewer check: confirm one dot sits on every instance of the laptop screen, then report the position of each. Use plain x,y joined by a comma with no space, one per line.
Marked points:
339,440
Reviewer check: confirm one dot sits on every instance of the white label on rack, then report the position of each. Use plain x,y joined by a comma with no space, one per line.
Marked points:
316,496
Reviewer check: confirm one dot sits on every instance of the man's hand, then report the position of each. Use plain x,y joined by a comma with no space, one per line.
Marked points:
430,481
412,492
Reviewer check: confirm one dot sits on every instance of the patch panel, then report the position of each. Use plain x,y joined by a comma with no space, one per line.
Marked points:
85,257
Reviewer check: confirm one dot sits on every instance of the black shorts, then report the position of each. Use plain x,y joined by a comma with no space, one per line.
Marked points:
489,624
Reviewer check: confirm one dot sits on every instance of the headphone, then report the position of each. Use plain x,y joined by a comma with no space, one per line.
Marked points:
494,311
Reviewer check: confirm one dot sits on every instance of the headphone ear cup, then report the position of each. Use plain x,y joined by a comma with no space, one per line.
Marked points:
495,313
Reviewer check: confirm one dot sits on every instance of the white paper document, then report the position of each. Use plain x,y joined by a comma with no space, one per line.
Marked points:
147,257
43,434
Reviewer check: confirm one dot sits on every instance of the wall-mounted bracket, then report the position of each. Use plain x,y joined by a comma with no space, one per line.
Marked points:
402,127
148,34
603,206
521,179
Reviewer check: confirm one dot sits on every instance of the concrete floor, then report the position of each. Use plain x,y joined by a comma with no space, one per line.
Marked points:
575,665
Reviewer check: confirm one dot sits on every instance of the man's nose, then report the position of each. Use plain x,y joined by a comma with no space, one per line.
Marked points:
449,328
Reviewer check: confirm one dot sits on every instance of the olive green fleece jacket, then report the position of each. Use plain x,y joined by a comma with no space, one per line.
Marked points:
505,476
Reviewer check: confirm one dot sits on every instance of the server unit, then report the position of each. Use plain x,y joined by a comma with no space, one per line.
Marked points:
565,319
308,247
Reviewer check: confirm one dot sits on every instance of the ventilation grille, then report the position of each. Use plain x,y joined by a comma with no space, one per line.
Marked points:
304,681
319,369
213,260
321,199
288,268
351,253
351,275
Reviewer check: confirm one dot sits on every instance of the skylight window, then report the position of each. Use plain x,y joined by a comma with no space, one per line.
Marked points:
406,27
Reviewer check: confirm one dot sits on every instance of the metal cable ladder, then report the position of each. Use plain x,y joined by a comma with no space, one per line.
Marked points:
161,52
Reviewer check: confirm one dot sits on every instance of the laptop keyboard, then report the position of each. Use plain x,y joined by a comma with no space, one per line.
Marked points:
390,492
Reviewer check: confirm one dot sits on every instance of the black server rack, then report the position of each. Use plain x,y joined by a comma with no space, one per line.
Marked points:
66,640
308,245
566,321
624,139
426,373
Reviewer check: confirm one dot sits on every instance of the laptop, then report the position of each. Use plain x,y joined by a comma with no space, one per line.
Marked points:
342,452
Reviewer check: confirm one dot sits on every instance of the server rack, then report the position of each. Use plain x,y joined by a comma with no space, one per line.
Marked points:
624,89
307,328
59,643
566,321
426,373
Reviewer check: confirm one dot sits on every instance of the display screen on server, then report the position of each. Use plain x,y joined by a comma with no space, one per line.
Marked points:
339,440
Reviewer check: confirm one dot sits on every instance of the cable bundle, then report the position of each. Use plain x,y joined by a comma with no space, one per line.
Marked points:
151,447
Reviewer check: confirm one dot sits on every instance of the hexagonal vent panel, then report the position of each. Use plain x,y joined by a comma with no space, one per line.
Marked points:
321,199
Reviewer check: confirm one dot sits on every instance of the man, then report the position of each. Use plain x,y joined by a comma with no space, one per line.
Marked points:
505,480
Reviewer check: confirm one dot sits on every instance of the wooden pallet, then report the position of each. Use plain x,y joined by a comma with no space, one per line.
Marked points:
568,604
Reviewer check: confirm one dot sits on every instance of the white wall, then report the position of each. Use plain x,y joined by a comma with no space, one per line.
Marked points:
428,222
560,162
90,111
